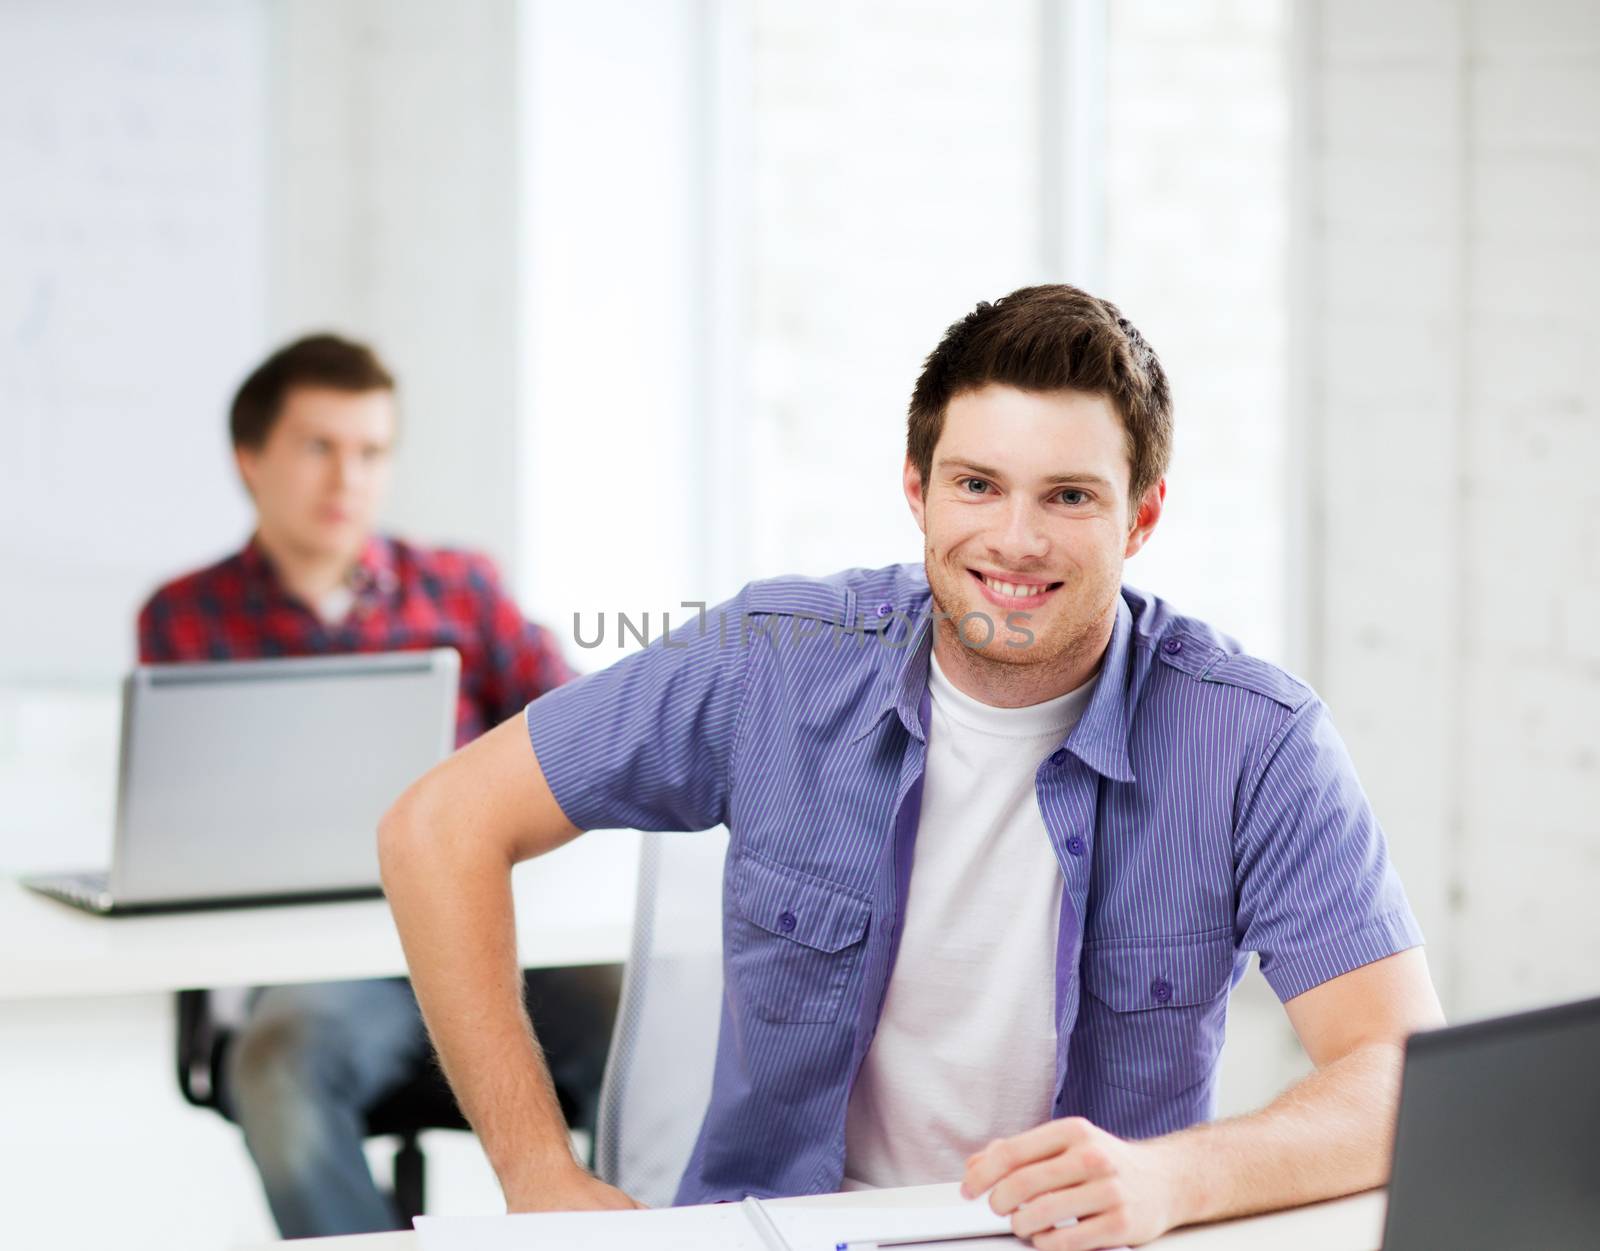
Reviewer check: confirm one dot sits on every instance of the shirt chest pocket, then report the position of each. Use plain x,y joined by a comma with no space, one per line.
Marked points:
1155,1010
793,940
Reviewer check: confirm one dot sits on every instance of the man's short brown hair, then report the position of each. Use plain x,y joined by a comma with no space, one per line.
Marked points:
1049,338
318,360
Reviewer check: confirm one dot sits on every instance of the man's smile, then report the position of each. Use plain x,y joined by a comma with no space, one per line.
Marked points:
1013,591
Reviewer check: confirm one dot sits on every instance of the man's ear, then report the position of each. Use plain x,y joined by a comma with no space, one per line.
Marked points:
912,480
245,458
1145,519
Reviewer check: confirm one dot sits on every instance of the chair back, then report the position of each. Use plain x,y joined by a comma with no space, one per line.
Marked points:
663,1051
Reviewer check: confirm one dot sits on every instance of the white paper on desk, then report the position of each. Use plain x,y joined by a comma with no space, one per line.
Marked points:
709,1227
816,1227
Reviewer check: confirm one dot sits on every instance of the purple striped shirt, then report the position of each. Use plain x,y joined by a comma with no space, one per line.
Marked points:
1202,808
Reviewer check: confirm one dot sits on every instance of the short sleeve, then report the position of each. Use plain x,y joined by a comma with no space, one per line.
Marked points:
648,742
1317,893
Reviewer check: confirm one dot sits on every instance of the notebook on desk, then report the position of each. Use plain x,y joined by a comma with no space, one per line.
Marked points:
749,1226
263,780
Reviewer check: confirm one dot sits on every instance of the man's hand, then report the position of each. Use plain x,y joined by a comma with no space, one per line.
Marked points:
574,1190
1121,1193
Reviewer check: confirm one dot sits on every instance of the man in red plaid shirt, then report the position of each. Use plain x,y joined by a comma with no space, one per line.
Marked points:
313,428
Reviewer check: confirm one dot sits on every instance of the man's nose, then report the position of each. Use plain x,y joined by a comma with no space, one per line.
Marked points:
1023,533
349,470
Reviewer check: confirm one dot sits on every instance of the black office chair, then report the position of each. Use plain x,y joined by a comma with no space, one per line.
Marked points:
426,1101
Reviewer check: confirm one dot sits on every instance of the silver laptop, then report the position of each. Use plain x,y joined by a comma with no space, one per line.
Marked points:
264,780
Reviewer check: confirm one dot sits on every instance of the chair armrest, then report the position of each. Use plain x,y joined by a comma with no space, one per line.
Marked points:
200,1045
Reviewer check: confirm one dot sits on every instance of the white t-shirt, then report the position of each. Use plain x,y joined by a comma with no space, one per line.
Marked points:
966,1046
335,605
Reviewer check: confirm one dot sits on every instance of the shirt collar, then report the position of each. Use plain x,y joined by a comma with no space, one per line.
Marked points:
909,687
904,633
1100,739
373,573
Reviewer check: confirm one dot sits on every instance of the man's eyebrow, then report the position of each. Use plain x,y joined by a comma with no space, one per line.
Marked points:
1055,479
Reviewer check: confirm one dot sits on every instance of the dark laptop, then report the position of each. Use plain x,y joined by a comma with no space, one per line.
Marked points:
1498,1142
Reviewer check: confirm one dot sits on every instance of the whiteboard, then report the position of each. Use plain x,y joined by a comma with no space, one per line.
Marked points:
133,272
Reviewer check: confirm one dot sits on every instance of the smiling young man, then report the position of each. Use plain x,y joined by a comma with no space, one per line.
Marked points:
313,430
1004,833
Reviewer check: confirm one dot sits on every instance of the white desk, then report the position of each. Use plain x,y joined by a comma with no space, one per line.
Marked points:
1352,1224
86,1040
574,906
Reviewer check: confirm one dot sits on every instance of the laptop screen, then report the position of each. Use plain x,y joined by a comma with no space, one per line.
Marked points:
1498,1140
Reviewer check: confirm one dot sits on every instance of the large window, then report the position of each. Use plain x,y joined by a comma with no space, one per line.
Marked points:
741,259
896,183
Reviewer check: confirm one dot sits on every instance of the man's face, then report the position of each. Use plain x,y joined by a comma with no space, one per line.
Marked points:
320,477
1026,511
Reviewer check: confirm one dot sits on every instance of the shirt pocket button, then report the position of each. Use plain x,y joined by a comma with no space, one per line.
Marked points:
794,941
1153,1010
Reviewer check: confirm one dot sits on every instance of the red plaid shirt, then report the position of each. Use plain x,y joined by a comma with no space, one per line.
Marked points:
406,599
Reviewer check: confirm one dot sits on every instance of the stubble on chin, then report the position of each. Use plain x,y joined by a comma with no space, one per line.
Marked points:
1011,659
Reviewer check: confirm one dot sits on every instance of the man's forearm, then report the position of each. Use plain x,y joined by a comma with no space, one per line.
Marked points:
1328,1135
453,908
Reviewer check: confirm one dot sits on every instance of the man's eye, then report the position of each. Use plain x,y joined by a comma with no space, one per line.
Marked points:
372,454
974,486
1072,496
319,446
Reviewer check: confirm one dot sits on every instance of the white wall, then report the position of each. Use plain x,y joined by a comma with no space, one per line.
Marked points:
395,158
1451,235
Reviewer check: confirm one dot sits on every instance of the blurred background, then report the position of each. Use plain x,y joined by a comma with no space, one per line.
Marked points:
656,277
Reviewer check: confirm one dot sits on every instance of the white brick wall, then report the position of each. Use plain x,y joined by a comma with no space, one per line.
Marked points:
1453,171
395,158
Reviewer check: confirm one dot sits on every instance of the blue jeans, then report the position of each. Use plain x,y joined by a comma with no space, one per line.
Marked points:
310,1060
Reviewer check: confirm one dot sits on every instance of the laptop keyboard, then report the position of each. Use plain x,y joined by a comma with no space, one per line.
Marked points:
82,890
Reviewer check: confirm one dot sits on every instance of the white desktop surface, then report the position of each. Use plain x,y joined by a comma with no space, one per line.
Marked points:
574,906
1350,1224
